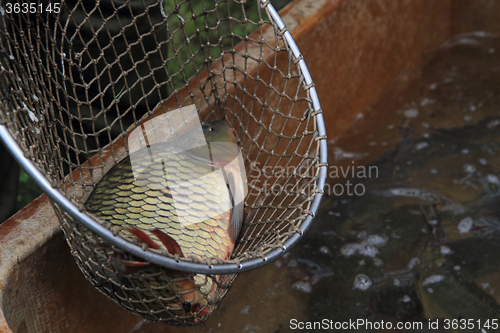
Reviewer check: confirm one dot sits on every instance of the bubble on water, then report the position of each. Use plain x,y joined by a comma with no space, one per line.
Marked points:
245,310
390,126
340,154
433,279
432,222
468,118
426,135
292,263
397,282
445,250
472,108
376,240
493,123
411,113
493,179
492,50
361,262
465,225
349,249
426,101
426,125
314,271
430,290
421,145
331,213
483,161
368,247
277,263
457,268
434,171
368,250
469,168
485,285
324,249
413,262
378,262
396,234
303,286
433,86
406,299
362,282
465,151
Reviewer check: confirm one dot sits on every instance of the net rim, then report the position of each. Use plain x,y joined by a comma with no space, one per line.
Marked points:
184,266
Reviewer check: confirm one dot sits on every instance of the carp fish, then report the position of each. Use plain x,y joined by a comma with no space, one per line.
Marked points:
188,202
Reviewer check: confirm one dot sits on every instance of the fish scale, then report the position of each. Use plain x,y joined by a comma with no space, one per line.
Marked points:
184,195
194,203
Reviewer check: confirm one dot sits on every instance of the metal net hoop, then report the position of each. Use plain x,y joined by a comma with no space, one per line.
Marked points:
74,81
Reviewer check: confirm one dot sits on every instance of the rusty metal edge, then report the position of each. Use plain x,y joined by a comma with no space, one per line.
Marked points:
20,236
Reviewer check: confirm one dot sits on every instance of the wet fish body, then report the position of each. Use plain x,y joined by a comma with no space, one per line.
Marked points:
188,202
175,194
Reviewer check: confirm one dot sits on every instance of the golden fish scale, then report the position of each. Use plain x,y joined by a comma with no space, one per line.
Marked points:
192,193
148,204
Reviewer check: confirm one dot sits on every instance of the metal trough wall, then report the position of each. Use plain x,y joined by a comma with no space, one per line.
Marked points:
354,49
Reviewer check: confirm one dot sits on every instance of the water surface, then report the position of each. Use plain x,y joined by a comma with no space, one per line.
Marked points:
422,239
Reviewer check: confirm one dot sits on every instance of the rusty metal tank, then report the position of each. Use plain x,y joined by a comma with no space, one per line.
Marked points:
354,50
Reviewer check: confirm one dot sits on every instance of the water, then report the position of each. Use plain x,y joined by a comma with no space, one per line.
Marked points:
422,241
435,202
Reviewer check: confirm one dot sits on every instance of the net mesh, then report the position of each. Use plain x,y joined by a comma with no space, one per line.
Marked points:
76,77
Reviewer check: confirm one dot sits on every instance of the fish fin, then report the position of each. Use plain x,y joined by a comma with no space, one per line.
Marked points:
133,263
143,237
202,311
127,266
237,199
170,243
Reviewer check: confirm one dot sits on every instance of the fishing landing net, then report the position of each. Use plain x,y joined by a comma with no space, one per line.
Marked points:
78,77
